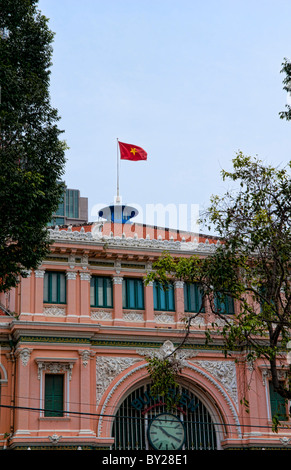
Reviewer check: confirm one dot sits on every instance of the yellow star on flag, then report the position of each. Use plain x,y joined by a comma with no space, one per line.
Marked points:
133,150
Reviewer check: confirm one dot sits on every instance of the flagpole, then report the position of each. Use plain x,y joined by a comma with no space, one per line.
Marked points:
117,195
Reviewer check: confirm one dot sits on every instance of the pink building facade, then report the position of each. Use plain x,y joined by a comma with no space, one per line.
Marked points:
75,336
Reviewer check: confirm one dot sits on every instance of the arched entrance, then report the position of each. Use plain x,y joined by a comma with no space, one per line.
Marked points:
138,411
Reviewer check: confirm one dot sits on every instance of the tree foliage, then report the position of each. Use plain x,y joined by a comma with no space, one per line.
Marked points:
286,69
32,156
164,373
252,265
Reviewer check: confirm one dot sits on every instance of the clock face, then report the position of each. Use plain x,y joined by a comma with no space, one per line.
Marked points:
166,432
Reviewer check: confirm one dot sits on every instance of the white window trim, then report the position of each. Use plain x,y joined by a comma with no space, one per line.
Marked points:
55,366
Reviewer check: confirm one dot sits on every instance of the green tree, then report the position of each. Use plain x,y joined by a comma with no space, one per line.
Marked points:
32,156
286,69
252,265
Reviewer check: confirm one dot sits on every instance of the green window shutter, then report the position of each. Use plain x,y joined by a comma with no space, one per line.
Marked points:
163,297
278,404
224,303
101,293
133,293
193,297
54,395
54,287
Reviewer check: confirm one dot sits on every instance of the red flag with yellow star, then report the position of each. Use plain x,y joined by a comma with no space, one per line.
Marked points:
131,152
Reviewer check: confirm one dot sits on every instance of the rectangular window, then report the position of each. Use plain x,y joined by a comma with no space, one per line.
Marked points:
163,297
193,298
72,203
54,395
278,404
132,293
54,287
224,304
101,292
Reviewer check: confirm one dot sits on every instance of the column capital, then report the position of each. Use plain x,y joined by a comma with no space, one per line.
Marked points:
117,280
39,273
179,284
71,275
85,276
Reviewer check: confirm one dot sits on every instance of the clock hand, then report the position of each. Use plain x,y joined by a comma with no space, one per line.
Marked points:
165,432
169,435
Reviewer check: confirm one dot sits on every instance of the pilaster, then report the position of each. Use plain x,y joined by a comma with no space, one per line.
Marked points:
179,301
149,304
71,295
85,297
117,300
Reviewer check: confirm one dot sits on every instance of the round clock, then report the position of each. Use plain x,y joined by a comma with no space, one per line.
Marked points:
166,432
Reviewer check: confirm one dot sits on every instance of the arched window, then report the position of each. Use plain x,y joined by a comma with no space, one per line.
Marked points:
136,412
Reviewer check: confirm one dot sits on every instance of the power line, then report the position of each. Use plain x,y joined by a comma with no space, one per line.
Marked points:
92,414
86,404
137,418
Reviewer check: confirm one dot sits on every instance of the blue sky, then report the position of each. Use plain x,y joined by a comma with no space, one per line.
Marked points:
191,82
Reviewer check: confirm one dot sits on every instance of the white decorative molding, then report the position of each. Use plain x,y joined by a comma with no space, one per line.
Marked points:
55,367
164,317
107,368
117,280
225,373
109,395
149,266
84,259
39,273
96,237
133,316
26,273
232,408
117,266
285,441
54,311
71,275
85,276
167,350
267,376
179,284
72,260
101,315
86,356
55,438
24,355
199,320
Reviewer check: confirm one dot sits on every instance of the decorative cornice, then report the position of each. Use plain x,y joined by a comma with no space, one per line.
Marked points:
131,242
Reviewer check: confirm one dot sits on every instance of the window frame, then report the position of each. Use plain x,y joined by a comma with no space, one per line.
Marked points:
49,297
157,288
54,411
137,282
198,298
278,402
226,299
105,303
